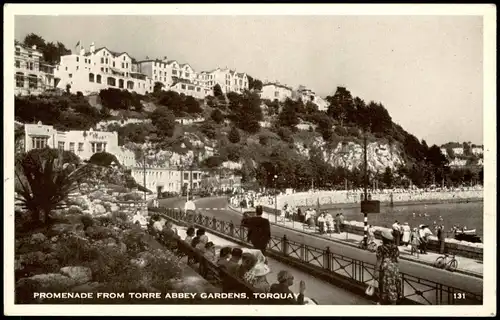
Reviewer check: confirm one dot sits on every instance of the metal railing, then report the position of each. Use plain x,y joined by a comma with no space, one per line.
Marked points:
337,267
214,274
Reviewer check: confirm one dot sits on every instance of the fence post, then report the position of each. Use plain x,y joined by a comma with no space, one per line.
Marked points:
214,223
326,259
231,229
284,246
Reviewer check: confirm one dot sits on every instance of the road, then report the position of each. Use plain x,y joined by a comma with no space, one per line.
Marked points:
468,283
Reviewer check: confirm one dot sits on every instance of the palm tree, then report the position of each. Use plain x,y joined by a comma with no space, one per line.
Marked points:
43,185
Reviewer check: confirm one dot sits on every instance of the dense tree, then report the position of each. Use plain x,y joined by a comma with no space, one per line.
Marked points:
164,120
192,106
218,91
51,52
288,116
104,159
117,99
340,105
388,177
324,125
217,116
254,84
208,129
135,132
158,87
245,111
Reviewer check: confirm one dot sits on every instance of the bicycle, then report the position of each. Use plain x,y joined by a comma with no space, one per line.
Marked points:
443,262
372,246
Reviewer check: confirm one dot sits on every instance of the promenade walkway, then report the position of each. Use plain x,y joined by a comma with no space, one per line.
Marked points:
467,266
321,292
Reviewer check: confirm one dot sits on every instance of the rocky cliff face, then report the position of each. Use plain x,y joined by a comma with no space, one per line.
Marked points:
350,156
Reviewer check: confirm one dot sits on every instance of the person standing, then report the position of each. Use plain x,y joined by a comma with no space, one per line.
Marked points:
406,234
441,238
387,270
259,230
396,232
341,222
189,208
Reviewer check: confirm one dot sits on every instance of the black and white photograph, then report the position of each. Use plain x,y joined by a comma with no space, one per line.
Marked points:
236,159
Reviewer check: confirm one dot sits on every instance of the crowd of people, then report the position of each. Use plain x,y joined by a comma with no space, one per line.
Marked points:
250,266
417,238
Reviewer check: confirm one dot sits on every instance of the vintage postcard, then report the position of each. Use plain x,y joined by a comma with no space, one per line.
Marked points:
240,159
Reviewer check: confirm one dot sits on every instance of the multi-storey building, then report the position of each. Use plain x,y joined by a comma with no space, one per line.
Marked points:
275,91
167,179
307,95
82,143
33,76
99,69
180,78
228,80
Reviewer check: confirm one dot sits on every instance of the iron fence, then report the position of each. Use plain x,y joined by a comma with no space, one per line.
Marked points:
414,289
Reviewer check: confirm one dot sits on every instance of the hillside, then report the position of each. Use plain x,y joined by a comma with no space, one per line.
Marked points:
258,138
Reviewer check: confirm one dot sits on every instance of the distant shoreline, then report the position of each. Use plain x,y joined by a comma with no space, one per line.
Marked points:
402,203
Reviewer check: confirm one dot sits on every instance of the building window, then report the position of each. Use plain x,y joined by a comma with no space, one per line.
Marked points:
18,64
80,146
98,78
33,80
71,75
130,85
98,147
77,59
18,51
102,60
77,67
39,142
120,83
113,64
186,176
102,69
174,72
198,89
190,87
30,65
187,75
195,176
20,80
111,81
123,65
60,145
276,94
72,146
126,65
183,86
91,77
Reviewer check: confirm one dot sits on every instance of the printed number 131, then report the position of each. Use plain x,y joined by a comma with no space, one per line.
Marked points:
459,296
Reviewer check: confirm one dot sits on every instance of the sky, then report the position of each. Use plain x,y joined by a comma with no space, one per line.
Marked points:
426,70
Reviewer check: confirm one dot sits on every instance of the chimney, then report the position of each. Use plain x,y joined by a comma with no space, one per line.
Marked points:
92,48
82,51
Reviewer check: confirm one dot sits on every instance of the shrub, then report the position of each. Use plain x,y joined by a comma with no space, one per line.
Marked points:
132,196
44,185
285,134
103,159
217,116
234,135
87,221
119,215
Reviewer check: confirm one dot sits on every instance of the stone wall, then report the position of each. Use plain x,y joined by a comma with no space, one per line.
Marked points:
343,197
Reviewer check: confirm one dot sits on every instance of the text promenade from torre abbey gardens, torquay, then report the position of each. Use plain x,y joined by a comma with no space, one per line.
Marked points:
238,160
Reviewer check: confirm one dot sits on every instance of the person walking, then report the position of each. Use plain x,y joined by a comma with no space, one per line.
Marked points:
337,223
259,230
387,270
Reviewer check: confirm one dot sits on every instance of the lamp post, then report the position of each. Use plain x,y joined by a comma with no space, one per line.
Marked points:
365,215
275,200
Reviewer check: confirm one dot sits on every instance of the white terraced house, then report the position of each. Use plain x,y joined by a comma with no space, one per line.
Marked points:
82,143
276,91
167,179
228,80
33,76
97,69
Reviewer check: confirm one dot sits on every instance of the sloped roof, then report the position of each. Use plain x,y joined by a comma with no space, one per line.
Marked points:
277,85
113,53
